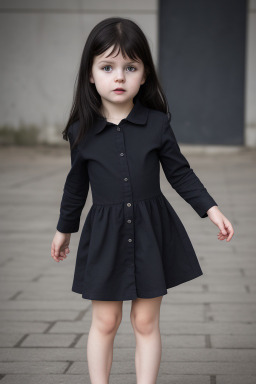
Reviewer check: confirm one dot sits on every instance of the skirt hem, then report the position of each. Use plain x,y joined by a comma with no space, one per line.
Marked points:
143,295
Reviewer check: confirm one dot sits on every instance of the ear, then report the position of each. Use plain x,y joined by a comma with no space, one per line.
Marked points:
91,78
143,79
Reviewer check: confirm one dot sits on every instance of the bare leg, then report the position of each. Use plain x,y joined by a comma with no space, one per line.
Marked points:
145,314
106,318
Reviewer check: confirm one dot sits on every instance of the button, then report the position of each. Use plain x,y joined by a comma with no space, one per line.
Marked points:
121,154
118,129
128,204
129,240
129,221
125,179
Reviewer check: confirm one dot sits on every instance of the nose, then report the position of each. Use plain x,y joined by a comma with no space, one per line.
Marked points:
119,75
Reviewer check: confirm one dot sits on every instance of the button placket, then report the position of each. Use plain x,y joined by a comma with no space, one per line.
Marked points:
127,194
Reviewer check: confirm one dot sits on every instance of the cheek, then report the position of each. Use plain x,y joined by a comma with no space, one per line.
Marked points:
136,78
102,77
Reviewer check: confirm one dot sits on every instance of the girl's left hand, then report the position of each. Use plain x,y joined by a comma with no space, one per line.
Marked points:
226,229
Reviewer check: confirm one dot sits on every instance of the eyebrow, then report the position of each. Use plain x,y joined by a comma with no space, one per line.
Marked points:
110,61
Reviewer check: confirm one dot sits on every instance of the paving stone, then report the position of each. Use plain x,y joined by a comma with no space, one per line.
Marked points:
45,304
38,315
208,368
207,328
182,379
251,287
9,339
34,285
236,379
242,312
22,327
42,354
209,297
215,280
19,277
48,340
230,288
70,327
234,341
46,295
208,354
45,367
7,295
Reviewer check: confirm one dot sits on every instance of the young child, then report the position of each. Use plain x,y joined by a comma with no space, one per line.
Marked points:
133,246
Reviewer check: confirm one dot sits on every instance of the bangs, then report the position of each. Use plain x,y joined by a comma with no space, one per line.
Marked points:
120,42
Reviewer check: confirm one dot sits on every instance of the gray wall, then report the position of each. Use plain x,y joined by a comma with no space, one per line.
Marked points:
41,44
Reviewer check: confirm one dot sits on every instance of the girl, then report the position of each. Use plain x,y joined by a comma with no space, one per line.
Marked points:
133,246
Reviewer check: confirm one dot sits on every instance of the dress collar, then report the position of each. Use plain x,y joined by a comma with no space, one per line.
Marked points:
138,115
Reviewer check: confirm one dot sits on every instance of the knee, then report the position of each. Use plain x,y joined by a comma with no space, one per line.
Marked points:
107,323
144,324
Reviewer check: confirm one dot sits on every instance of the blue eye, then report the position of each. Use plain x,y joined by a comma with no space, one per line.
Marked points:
127,67
106,67
133,68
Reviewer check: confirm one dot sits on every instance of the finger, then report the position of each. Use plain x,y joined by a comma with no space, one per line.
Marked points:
62,253
231,233
221,236
230,230
222,228
57,251
53,249
53,252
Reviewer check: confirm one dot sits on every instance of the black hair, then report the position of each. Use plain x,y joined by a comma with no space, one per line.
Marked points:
126,35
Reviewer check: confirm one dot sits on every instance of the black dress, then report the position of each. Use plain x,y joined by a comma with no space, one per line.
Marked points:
132,244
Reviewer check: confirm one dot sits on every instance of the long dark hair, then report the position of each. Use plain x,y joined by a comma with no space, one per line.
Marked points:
126,35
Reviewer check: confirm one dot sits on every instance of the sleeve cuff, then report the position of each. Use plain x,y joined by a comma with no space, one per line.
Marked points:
67,226
202,207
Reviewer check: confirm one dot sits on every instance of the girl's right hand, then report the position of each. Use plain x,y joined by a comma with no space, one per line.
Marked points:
60,246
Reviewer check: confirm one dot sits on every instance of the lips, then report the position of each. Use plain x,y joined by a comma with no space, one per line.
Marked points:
119,89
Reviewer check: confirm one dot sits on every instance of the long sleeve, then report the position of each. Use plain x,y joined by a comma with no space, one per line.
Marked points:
75,190
179,174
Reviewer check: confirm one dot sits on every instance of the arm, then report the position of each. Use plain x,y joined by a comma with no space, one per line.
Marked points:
73,200
179,174
75,189
187,184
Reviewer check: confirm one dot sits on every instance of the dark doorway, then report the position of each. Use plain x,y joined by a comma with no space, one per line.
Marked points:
202,68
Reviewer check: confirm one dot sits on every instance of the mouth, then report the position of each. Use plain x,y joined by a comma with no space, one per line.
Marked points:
119,89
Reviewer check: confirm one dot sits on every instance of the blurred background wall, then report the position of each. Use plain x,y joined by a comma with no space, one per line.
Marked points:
41,44
202,64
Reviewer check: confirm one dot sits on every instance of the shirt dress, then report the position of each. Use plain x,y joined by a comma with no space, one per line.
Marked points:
132,244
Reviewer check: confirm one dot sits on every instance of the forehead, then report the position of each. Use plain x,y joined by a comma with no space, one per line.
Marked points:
105,56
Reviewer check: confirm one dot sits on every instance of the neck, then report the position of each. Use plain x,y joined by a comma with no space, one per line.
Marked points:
116,111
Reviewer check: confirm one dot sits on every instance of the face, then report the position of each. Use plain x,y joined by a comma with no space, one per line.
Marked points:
109,73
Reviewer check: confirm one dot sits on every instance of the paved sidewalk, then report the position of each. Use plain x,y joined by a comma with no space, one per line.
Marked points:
208,324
